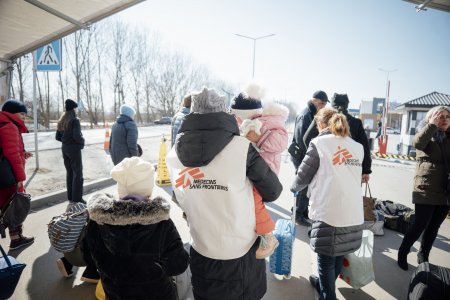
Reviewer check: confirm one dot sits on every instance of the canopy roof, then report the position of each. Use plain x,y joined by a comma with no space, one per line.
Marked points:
443,5
29,24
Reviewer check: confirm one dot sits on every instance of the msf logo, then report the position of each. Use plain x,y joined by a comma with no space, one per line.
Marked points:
341,156
187,176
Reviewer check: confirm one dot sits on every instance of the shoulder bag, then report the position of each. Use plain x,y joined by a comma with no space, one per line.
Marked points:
14,213
10,272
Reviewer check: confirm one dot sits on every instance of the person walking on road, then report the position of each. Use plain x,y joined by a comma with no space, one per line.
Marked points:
332,170
12,126
124,135
178,119
357,133
431,184
213,170
68,132
132,239
302,123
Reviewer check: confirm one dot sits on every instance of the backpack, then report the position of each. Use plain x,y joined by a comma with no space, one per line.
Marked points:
64,230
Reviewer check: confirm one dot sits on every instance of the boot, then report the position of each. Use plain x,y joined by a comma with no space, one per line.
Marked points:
402,260
422,256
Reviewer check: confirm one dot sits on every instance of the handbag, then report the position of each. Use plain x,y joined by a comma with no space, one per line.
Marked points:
369,205
295,152
64,230
7,179
357,268
10,272
14,213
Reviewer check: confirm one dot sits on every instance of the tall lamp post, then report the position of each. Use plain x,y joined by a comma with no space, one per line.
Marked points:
254,46
384,138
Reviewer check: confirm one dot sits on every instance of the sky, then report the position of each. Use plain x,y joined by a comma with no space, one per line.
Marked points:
335,46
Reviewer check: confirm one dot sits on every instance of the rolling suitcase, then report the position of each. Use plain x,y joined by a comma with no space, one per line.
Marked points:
281,260
429,282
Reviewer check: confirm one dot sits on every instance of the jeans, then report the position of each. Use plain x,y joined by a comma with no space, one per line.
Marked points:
329,268
74,173
428,219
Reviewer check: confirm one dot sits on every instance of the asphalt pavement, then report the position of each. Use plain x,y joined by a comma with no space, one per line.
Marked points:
391,179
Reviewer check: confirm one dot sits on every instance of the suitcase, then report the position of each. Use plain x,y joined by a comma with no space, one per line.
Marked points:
429,282
281,260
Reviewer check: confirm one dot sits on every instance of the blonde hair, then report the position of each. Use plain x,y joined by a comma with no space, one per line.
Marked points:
187,101
336,122
433,110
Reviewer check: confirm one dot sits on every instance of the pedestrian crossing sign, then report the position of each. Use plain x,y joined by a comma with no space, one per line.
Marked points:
48,58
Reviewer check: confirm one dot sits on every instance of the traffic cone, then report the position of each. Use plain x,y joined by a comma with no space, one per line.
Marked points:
106,143
162,178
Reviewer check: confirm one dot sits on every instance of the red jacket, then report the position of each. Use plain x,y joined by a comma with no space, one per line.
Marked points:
11,144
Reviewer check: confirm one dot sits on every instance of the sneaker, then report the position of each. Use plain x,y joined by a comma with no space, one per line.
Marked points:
64,267
267,246
90,276
314,280
21,242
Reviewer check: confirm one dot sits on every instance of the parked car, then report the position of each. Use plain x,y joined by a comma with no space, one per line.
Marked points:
163,120
390,130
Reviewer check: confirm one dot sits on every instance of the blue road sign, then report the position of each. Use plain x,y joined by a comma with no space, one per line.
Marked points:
49,57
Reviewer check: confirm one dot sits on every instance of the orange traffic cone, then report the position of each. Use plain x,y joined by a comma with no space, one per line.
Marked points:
106,143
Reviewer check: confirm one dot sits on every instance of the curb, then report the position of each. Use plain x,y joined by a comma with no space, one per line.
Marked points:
397,156
60,196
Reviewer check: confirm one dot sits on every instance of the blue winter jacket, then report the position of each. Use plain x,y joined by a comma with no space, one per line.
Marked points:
123,140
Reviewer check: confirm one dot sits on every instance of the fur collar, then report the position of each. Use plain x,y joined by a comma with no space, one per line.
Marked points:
104,209
275,109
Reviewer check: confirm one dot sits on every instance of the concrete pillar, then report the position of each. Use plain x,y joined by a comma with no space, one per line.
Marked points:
3,82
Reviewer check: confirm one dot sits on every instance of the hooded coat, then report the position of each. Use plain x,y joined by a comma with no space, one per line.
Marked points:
12,148
136,247
123,140
177,121
201,138
431,178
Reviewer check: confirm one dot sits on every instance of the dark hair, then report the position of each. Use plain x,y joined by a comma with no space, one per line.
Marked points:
65,120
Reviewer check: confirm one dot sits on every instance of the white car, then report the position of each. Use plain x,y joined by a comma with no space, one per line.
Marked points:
390,130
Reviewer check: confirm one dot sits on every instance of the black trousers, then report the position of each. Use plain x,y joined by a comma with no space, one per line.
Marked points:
428,219
74,172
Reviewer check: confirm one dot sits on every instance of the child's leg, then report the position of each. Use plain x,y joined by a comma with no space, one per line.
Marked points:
264,223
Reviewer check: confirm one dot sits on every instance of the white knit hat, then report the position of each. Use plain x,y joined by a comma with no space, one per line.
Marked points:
208,101
134,176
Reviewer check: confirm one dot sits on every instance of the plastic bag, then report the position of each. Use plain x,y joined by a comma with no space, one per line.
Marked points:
357,269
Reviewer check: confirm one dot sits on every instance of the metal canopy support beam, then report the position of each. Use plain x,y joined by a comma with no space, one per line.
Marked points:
423,5
56,13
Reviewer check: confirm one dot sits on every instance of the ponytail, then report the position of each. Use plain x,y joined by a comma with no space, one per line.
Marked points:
338,125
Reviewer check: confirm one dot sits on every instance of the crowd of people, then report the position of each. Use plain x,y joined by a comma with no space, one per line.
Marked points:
223,166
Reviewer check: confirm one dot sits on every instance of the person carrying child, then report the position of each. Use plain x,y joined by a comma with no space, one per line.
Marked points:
265,128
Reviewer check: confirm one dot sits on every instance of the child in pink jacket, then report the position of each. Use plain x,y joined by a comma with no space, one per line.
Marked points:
265,128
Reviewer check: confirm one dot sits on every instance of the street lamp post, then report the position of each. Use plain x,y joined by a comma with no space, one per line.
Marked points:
254,46
383,143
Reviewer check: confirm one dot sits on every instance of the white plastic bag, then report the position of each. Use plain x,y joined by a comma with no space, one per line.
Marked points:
357,268
183,281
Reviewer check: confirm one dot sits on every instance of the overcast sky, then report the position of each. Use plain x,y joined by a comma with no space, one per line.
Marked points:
336,46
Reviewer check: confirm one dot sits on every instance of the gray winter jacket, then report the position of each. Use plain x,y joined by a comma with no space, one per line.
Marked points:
325,239
123,140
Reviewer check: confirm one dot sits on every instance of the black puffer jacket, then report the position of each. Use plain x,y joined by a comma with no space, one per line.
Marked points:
72,137
200,138
136,247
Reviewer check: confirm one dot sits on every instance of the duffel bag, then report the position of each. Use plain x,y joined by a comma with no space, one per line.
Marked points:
64,230
429,282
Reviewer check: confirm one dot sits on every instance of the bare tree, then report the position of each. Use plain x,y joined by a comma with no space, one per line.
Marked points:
119,40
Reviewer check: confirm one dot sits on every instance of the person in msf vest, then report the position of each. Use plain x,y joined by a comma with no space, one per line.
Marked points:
124,135
332,170
133,241
431,188
12,126
68,132
213,170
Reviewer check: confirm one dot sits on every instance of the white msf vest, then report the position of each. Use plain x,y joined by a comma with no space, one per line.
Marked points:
335,190
218,201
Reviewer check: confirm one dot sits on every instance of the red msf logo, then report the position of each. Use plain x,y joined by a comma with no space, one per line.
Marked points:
187,176
341,156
